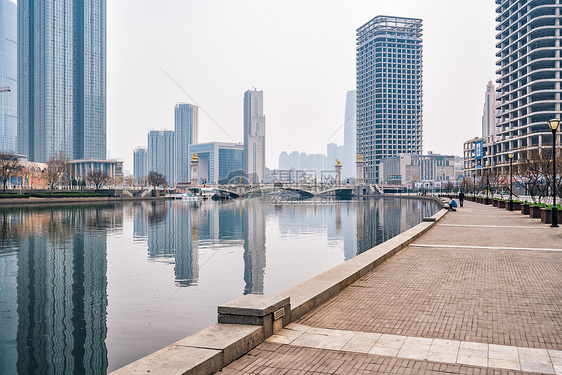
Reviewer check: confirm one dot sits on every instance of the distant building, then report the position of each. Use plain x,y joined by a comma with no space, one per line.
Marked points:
302,161
254,135
389,90
8,76
333,152
161,154
140,162
217,160
62,79
407,168
489,119
349,157
186,128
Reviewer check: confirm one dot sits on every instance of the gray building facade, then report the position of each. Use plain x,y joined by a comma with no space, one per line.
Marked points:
217,160
62,79
140,162
161,154
389,90
8,76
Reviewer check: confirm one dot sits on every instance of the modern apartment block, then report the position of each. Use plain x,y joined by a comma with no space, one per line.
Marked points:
254,135
140,162
161,154
8,76
489,119
186,128
389,90
62,79
529,83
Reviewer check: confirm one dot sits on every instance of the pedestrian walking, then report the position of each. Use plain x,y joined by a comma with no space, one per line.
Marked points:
461,198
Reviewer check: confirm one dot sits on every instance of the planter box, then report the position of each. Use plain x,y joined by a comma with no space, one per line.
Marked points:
546,216
516,206
501,204
525,209
495,202
535,212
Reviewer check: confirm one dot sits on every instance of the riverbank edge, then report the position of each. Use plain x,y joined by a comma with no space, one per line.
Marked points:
209,350
7,202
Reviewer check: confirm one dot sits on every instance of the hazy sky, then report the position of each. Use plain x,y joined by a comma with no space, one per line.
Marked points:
301,53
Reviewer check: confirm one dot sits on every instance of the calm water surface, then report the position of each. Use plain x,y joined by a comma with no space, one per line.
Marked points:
88,289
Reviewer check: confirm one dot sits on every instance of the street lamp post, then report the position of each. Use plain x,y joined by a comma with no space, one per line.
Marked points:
553,124
487,183
510,181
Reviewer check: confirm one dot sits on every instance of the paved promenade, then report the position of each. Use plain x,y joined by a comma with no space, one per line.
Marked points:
481,293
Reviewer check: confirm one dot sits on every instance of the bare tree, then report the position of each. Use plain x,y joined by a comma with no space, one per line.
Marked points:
9,167
534,171
156,179
98,179
57,168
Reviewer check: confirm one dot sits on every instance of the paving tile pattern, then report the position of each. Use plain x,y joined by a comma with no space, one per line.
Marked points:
501,297
282,359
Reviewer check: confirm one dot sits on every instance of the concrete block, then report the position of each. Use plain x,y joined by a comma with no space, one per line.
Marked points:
253,305
176,360
232,339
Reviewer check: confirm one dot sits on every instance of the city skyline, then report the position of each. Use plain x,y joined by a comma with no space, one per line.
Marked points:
305,87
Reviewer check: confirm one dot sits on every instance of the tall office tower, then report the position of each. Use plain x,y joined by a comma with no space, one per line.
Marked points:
161,154
61,79
140,162
529,83
389,90
489,119
8,76
254,135
333,152
349,157
186,127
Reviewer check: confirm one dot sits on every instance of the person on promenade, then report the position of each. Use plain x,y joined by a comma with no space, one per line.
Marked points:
461,198
453,205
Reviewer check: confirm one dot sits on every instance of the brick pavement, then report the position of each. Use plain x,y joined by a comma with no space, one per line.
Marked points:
492,295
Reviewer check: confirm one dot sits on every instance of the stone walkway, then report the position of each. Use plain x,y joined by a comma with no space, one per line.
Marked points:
480,293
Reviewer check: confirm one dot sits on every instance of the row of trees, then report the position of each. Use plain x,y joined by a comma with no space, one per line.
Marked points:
532,171
56,174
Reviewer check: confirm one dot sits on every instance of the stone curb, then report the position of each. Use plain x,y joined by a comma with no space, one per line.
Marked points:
213,348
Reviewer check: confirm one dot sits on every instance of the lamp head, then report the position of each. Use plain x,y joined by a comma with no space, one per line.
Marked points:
511,154
553,124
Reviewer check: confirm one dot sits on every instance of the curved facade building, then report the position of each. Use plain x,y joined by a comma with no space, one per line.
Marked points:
529,76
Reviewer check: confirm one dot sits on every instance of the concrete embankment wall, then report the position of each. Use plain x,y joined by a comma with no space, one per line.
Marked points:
211,349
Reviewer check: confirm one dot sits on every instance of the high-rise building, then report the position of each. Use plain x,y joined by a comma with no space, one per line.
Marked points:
529,83
161,154
61,79
489,119
140,162
186,127
254,135
333,152
349,156
8,76
389,90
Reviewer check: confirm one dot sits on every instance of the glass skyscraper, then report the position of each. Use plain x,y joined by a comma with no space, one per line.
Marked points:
186,128
254,135
8,76
389,90
62,79
140,162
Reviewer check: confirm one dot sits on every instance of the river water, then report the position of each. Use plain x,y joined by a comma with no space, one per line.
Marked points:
88,289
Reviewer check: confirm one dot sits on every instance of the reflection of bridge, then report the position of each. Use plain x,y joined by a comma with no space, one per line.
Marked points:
304,190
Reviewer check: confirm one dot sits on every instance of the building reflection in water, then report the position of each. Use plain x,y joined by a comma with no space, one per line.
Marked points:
253,222
61,291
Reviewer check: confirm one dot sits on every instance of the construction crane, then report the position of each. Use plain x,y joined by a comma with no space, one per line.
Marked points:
5,89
